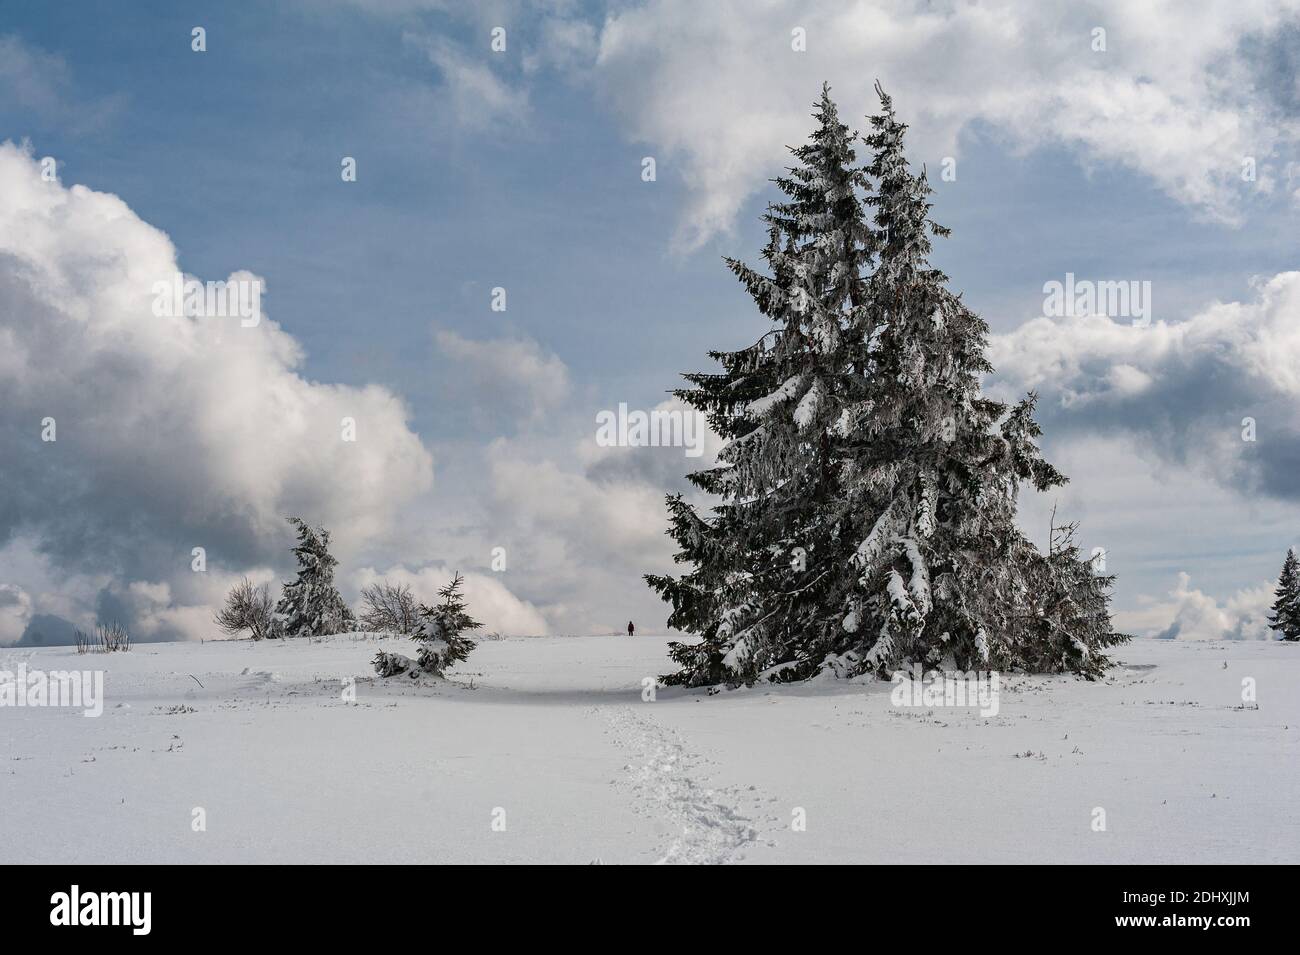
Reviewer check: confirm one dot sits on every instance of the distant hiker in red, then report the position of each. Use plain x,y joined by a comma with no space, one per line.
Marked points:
631,630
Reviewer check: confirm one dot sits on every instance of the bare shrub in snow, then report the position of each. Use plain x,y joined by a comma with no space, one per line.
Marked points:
248,607
388,608
111,638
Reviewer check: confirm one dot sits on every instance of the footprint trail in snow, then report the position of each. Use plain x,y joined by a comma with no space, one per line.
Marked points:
713,829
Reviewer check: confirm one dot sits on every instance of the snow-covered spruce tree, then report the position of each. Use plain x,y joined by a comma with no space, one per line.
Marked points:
441,633
767,561
309,605
868,489
440,637
1285,618
932,473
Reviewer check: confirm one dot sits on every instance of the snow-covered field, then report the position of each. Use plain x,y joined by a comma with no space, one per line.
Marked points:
551,737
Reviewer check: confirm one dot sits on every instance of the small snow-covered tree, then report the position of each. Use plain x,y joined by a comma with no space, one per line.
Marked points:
868,489
391,664
441,633
1285,618
310,605
440,637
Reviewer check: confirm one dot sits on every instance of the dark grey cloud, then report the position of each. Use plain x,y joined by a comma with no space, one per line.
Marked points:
1217,393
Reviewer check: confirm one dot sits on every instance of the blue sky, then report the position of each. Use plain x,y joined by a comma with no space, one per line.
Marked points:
521,169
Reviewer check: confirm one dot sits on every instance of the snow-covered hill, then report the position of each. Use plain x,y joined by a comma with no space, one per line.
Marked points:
543,750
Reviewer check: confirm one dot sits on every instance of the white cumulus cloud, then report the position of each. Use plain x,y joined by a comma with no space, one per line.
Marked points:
1191,614
716,90
170,432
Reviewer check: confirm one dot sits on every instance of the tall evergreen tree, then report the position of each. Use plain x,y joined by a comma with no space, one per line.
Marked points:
933,473
309,605
766,561
868,489
1285,618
